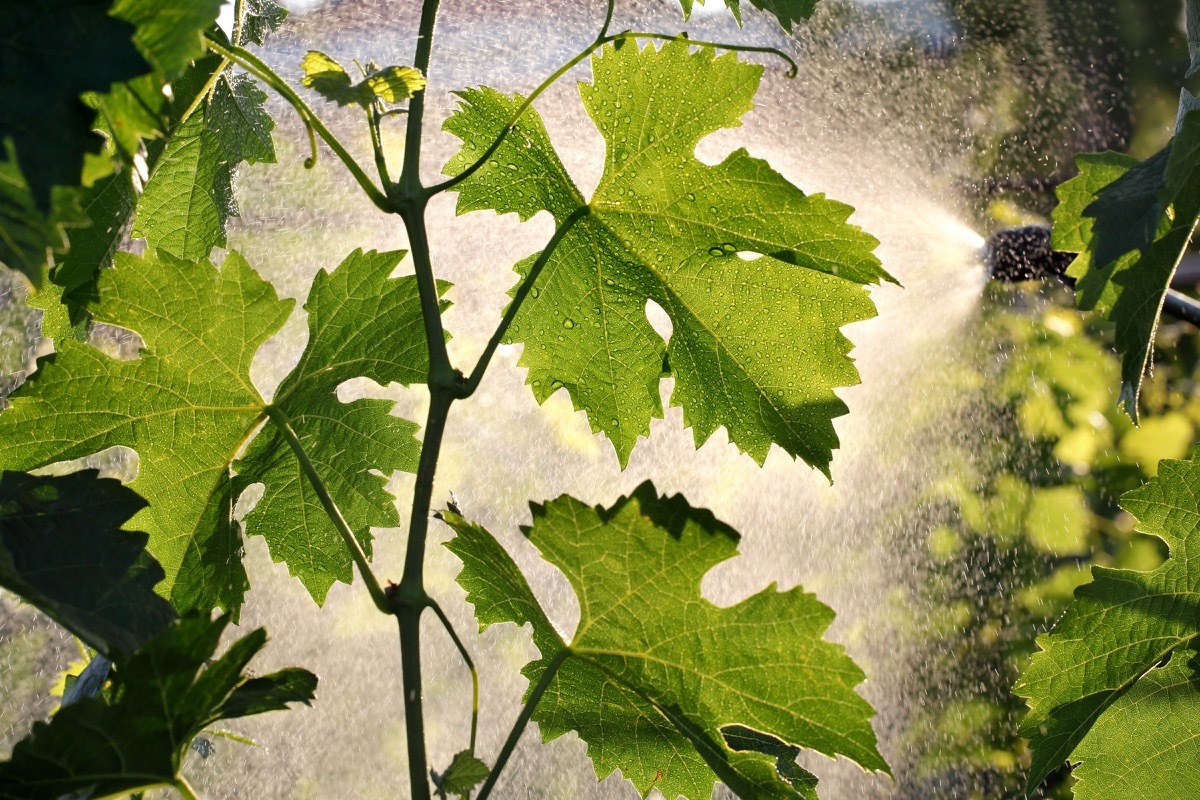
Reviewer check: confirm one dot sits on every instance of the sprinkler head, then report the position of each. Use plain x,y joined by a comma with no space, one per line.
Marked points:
1024,254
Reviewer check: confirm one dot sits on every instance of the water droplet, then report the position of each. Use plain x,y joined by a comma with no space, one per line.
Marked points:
691,197
568,323
609,282
534,292
616,423
556,385
717,251
712,209
512,167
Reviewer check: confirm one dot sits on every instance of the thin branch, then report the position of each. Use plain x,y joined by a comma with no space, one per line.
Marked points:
522,720
238,10
373,118
514,307
331,509
312,123
466,657
410,173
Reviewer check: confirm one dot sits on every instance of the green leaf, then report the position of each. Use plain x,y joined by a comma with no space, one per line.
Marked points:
756,345
1193,35
1147,744
170,32
361,324
660,683
131,112
165,696
237,114
1115,216
54,51
187,406
62,548
189,196
109,205
27,236
786,11
461,777
1119,627
329,79
260,19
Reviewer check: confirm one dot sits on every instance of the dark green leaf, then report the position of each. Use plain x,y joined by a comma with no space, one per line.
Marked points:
62,548
756,346
51,52
786,11
165,696
1119,627
1193,35
655,674
1128,211
27,236
237,114
170,32
109,204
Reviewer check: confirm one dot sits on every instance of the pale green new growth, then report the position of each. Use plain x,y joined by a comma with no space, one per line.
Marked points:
662,684
756,345
187,406
1119,627
329,79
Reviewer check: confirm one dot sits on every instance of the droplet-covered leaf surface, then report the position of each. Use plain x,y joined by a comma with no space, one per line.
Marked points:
1119,627
756,345
62,548
165,695
187,406
660,683
787,12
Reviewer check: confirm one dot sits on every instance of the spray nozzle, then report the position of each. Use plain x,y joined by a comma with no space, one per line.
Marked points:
1023,254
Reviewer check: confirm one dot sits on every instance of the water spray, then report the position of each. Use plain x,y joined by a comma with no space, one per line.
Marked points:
1023,254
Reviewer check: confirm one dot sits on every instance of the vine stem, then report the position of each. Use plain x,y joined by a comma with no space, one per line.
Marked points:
522,292
523,718
312,123
466,657
331,509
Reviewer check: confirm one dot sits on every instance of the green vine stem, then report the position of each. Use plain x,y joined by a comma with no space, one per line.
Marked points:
184,788
466,657
312,123
523,718
331,509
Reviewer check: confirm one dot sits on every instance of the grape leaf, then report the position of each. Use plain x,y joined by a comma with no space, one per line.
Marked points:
187,406
108,204
661,684
1147,743
170,32
328,78
62,548
1115,216
27,235
1120,626
261,18
54,51
786,11
1193,36
358,322
461,777
165,696
756,346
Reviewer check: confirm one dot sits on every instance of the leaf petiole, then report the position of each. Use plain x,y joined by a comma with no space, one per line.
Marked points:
331,509
466,657
523,718
185,789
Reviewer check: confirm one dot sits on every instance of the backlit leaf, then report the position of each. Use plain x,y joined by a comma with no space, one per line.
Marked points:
1120,626
756,345
170,32
329,79
787,12
187,405
660,683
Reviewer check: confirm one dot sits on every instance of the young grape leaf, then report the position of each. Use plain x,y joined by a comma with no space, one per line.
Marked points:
461,777
165,696
261,18
328,78
756,345
1119,627
660,683
1115,216
1147,743
55,50
786,11
170,32
62,548
187,407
